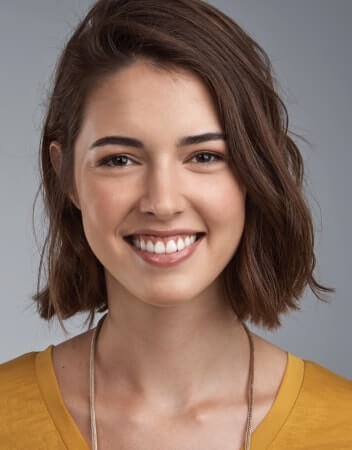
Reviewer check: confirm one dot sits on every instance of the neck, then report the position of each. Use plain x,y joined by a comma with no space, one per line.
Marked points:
176,356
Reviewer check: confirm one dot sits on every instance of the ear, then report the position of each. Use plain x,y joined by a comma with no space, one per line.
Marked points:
56,157
55,153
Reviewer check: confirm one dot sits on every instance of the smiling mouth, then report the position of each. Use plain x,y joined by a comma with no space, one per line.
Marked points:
129,239
166,259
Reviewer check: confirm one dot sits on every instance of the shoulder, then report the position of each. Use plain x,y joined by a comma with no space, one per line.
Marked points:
17,371
22,410
18,395
17,382
24,418
324,403
331,386
325,388
320,416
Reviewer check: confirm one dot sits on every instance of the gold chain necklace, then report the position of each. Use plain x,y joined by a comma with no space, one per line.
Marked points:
91,384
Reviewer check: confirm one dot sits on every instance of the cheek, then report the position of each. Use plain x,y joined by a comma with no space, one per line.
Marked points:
224,208
223,203
101,204
103,208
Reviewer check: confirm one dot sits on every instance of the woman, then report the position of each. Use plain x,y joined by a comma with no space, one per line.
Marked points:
175,201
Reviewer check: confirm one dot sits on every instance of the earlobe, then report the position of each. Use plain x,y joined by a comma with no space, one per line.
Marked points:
55,153
55,156
74,201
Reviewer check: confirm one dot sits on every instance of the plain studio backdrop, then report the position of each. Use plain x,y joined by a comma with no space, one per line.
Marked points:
309,43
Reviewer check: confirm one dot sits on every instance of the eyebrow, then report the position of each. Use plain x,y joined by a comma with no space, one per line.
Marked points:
131,142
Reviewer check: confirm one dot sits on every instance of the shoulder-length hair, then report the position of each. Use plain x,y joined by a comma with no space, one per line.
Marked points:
275,258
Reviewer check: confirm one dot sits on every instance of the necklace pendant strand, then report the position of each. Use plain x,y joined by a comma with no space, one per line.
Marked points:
92,397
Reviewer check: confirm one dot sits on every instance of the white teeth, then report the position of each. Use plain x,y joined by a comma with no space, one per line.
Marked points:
180,245
150,246
171,247
159,247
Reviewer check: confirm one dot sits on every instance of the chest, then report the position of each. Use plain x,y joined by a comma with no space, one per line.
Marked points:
123,425
207,429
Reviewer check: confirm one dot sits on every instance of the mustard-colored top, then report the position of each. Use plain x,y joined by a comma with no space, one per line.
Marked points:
312,409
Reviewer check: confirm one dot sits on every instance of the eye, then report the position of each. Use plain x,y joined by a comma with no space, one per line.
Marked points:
119,160
209,155
114,161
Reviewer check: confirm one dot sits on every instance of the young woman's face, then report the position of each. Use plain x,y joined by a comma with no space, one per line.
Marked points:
159,184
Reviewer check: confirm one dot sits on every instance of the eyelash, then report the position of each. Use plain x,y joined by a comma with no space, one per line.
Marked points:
106,160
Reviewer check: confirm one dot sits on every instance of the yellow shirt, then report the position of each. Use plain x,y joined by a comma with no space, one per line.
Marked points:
312,409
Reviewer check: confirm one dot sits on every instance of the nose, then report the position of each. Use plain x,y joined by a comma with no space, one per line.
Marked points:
162,194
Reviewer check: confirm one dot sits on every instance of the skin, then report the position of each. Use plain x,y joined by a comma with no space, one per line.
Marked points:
170,352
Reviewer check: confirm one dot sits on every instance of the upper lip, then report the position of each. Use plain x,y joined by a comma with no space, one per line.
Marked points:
150,231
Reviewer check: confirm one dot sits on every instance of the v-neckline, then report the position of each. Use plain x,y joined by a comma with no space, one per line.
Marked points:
261,438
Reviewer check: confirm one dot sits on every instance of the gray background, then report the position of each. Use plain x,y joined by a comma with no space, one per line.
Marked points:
309,45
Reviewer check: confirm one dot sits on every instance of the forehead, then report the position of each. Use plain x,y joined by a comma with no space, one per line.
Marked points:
147,97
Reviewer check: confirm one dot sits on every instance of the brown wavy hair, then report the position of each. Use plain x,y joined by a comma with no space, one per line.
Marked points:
275,258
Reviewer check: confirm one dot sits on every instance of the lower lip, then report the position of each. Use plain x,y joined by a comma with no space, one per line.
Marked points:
167,259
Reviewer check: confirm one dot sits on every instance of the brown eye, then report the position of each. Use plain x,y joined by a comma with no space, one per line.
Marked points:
115,161
121,160
207,159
